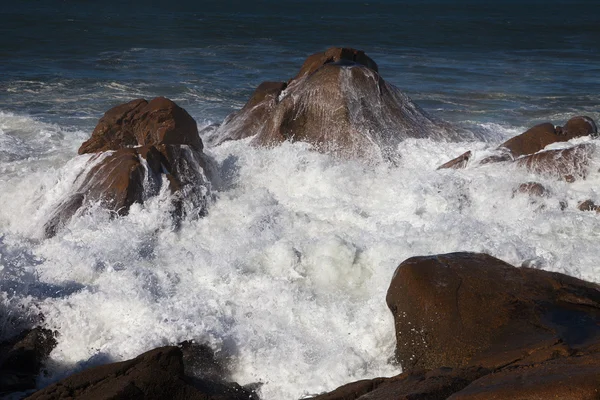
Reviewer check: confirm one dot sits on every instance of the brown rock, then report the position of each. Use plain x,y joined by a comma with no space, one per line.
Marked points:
532,188
139,122
157,374
463,309
341,105
533,140
568,164
540,136
120,179
437,384
333,55
458,162
573,378
588,205
255,114
580,126
22,357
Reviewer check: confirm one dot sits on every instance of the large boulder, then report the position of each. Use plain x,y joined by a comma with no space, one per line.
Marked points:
168,152
140,123
155,375
542,135
568,164
340,104
461,309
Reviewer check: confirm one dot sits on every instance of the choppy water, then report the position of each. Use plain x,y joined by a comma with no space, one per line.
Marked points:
287,274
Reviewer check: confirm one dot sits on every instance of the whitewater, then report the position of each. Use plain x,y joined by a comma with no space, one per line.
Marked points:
286,275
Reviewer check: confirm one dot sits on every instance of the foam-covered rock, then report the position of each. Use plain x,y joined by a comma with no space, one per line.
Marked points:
340,104
140,146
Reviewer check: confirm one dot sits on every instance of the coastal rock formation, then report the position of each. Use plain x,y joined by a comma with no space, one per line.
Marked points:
169,152
568,164
462,309
339,103
540,136
470,326
22,357
155,375
526,150
140,123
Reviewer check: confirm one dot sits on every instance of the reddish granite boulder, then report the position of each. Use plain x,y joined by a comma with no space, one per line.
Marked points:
534,189
168,145
540,136
155,375
334,55
568,164
140,122
573,378
463,309
340,104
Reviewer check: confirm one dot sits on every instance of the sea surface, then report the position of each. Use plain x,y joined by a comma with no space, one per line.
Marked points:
286,276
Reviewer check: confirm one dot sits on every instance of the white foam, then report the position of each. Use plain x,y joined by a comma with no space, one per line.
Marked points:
287,275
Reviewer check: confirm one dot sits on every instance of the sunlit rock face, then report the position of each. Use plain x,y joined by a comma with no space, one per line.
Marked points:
340,104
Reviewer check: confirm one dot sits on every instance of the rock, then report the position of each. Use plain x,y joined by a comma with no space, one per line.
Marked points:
462,309
540,136
565,378
334,55
22,357
568,164
255,114
431,385
340,104
140,122
532,189
168,146
457,163
157,374
580,126
588,205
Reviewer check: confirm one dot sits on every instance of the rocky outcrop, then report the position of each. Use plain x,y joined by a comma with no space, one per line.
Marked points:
568,164
339,103
470,326
140,123
21,359
533,189
155,375
542,135
169,151
526,150
463,309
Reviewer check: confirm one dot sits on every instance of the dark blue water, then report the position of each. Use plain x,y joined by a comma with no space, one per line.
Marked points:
508,62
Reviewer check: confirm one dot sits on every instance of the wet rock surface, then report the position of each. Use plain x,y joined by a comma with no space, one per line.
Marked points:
169,151
470,326
339,103
157,374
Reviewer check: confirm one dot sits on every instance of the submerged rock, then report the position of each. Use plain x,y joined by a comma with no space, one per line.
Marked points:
463,309
339,103
155,375
169,152
458,162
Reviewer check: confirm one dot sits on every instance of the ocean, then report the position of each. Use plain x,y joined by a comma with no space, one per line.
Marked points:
286,275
